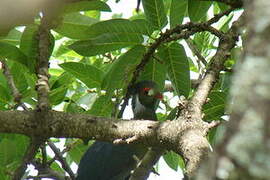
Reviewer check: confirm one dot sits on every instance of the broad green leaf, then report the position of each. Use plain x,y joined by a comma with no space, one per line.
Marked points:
5,95
74,25
76,153
57,95
223,6
18,71
155,71
105,43
142,26
119,26
86,6
197,10
155,13
56,167
177,12
111,35
3,79
88,74
13,37
215,108
172,114
72,107
178,68
12,148
103,106
172,159
65,79
29,45
12,53
120,73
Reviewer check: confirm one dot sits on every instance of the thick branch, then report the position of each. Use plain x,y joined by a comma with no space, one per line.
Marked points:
42,85
150,133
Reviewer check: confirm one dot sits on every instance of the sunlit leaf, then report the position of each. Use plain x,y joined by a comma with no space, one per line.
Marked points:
12,53
13,37
105,43
155,71
215,108
172,159
155,13
197,10
178,68
88,74
121,70
103,106
177,12
86,6
74,25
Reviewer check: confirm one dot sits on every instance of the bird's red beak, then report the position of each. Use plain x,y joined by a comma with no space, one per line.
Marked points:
159,96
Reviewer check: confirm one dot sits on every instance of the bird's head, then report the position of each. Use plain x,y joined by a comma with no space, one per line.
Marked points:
147,93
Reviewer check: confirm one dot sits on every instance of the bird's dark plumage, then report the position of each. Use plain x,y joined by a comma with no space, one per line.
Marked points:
106,161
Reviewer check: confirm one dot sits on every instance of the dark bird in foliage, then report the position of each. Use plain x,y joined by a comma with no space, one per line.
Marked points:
107,161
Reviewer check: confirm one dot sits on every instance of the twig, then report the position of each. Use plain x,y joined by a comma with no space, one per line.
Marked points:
145,165
196,52
61,159
15,92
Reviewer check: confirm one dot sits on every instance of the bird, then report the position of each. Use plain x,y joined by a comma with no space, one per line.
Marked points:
107,161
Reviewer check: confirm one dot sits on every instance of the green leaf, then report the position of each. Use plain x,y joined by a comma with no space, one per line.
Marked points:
88,74
74,108
155,13
155,71
76,153
177,12
65,79
18,71
172,114
103,106
105,43
12,53
5,95
197,10
13,37
119,26
223,6
142,26
120,73
111,35
12,148
86,6
215,108
29,45
178,68
74,25
57,95
172,159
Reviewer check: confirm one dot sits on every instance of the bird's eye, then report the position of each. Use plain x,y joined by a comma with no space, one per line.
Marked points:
146,90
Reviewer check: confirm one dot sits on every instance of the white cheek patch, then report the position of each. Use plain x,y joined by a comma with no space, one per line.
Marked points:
151,92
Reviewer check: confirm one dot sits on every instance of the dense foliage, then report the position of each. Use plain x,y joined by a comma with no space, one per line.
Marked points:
93,61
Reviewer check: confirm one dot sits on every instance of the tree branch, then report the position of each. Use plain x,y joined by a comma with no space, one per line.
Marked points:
15,92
